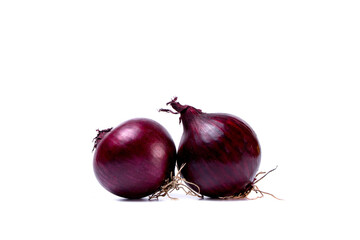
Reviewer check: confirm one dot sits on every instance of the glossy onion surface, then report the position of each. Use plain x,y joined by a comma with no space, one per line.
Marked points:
134,159
221,152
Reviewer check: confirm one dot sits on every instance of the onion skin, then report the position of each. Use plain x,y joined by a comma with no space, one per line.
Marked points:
221,152
134,159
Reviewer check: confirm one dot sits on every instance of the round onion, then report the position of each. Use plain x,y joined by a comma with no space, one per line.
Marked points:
221,152
134,159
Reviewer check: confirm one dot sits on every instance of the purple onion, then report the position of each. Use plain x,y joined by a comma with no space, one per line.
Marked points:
221,152
134,159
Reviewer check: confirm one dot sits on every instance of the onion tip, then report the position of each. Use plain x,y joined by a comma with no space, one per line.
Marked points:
100,135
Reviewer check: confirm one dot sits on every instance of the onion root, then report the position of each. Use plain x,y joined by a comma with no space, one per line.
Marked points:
253,187
176,182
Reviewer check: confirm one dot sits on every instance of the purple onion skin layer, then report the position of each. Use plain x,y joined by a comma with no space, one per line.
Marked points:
221,152
134,159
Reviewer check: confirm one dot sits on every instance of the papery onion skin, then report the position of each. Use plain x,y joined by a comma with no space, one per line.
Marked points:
221,152
134,159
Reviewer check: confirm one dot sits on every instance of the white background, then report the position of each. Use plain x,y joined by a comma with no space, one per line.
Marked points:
288,68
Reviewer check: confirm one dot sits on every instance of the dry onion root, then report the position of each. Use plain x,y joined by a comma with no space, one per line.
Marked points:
176,183
253,187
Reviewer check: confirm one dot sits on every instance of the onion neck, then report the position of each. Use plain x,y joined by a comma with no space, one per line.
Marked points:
101,134
188,113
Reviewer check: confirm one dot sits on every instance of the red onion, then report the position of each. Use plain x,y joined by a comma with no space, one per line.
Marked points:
221,152
134,159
